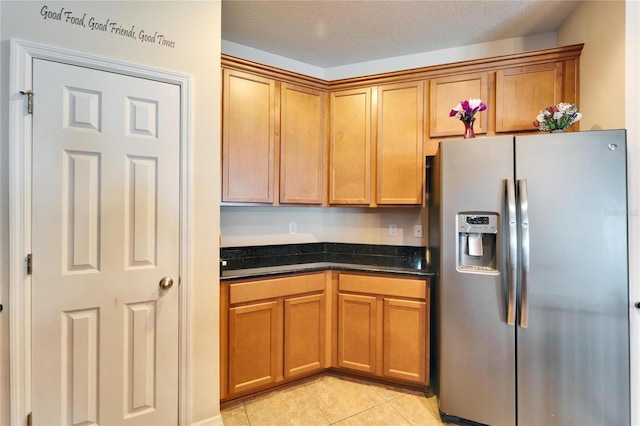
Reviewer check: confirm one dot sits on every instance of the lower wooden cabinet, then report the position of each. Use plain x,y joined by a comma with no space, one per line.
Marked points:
357,332
275,331
304,334
280,329
255,336
404,354
383,326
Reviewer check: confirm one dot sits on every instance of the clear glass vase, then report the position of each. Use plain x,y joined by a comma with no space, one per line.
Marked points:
469,133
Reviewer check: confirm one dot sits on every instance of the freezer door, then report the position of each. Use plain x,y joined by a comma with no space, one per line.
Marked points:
573,358
476,346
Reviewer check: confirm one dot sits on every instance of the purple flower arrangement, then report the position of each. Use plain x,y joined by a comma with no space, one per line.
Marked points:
467,109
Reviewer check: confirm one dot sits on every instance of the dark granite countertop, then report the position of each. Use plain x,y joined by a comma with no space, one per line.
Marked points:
266,261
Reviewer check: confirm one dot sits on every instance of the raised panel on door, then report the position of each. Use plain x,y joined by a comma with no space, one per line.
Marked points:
302,145
248,137
304,334
521,92
400,164
404,339
446,92
105,231
350,147
357,332
255,340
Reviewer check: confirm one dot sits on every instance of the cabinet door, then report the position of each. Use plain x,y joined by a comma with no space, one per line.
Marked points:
224,339
255,342
400,164
357,332
248,137
444,95
404,339
304,334
302,145
350,147
521,92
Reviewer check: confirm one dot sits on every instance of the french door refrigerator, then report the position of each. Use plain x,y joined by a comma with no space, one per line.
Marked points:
532,284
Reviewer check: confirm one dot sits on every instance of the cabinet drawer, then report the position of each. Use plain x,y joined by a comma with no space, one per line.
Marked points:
386,286
275,287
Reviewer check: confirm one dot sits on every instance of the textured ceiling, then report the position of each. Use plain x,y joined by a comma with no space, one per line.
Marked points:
336,32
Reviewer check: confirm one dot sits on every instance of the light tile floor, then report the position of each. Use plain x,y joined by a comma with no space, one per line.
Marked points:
333,400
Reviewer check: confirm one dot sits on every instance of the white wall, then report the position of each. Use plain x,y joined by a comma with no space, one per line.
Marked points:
195,28
444,56
600,26
245,226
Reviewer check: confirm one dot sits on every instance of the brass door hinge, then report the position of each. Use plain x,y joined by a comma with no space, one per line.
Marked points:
29,419
28,260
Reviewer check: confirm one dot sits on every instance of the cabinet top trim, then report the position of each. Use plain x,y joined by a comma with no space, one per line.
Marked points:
476,65
232,62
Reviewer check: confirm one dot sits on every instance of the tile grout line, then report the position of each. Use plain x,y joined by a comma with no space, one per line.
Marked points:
324,415
401,415
315,401
386,394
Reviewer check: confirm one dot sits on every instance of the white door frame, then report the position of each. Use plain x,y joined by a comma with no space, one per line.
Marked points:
20,167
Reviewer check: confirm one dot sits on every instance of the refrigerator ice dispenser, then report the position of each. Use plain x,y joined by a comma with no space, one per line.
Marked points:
477,236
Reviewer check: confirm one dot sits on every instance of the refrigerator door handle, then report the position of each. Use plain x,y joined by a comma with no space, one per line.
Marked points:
513,252
524,247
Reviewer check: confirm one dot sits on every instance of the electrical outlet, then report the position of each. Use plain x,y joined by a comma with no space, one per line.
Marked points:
293,228
393,230
417,231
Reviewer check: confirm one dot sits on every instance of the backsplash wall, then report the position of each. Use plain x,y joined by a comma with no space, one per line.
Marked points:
256,225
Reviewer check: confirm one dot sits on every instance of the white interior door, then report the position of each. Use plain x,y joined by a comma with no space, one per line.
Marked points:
105,231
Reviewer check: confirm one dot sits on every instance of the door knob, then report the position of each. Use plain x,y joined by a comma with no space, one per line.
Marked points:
637,305
166,283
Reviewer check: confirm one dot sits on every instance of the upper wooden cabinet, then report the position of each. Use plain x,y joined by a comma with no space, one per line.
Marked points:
293,139
302,145
540,85
400,138
248,137
444,95
273,140
350,147
377,138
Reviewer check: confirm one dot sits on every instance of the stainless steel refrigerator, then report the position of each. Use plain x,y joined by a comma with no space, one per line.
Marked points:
531,294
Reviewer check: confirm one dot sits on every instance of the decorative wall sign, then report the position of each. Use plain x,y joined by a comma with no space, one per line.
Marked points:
105,25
